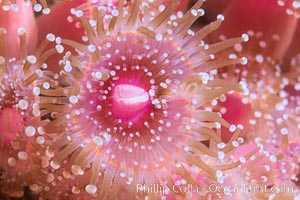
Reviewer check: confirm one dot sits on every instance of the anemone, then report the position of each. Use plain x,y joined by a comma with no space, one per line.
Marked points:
19,114
130,106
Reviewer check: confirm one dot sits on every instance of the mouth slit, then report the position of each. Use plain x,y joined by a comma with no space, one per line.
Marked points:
128,101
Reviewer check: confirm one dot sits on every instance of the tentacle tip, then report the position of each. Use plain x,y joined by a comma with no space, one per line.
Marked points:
245,37
21,31
3,31
220,17
244,61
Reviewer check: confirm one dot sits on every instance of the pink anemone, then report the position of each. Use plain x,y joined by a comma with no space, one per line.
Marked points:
134,93
19,114
242,16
